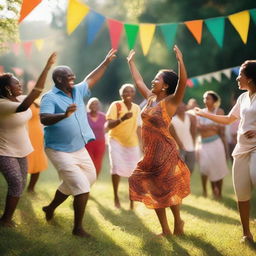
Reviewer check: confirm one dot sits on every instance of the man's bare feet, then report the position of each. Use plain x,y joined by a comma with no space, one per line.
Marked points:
131,205
117,203
179,228
80,232
48,213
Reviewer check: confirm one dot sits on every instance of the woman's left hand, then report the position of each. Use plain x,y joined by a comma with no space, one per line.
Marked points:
178,53
111,55
250,134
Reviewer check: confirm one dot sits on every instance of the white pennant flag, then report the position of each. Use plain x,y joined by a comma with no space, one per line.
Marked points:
217,75
208,77
227,72
200,79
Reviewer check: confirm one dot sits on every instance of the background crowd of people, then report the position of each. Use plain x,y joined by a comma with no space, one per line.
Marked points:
156,147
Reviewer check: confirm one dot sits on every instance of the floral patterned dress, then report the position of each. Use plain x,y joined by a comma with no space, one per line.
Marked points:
161,179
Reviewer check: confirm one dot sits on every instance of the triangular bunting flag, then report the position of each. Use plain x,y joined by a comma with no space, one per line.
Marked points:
227,72
195,27
241,21
115,31
16,49
146,35
27,7
217,75
131,34
18,71
27,46
190,83
216,26
253,15
195,82
208,78
1,69
39,44
169,33
200,79
75,14
236,70
94,22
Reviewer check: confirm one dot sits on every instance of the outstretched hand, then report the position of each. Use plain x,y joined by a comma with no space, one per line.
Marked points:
199,111
130,56
111,55
52,59
178,53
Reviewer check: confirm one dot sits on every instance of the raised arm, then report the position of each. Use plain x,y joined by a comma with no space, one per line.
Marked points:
98,72
178,95
39,86
221,119
136,76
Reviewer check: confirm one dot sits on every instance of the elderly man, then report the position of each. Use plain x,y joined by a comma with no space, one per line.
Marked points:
66,133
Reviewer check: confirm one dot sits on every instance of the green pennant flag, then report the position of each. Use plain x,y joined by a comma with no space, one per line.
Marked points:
216,26
253,15
169,33
131,34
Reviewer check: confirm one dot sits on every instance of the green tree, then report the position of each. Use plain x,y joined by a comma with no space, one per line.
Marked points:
9,11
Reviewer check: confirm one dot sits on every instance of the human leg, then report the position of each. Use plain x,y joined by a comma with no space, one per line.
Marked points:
79,205
14,171
178,222
58,199
115,183
243,186
161,214
33,180
204,184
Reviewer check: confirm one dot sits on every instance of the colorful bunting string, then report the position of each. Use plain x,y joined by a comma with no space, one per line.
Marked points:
78,10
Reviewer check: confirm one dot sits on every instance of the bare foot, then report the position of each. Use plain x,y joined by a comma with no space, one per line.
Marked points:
7,224
216,193
117,203
131,205
178,228
80,232
164,234
247,239
48,213
204,194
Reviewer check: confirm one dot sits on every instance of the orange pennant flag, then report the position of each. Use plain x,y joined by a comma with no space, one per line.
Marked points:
27,7
195,27
241,21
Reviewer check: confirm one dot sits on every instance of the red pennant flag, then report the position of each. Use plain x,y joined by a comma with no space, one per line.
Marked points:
27,7
190,83
115,30
16,48
27,46
1,69
18,71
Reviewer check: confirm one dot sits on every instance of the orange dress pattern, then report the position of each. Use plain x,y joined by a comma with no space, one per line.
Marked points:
37,160
161,179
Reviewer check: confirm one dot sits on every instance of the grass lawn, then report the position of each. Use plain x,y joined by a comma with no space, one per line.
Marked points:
211,227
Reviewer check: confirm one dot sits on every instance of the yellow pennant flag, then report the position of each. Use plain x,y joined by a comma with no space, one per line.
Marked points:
241,21
146,35
75,14
39,44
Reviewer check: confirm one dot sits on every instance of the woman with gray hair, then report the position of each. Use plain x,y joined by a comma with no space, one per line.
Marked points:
96,119
123,125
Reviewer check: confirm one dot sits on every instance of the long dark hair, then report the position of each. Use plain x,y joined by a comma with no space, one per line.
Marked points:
249,69
5,79
171,79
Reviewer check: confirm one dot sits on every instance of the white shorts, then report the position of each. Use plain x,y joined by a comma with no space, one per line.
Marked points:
123,160
244,175
75,169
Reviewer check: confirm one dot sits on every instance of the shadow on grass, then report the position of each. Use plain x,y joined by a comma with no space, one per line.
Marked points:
208,216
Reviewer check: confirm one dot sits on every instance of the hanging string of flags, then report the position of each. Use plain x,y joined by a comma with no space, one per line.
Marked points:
78,11
217,75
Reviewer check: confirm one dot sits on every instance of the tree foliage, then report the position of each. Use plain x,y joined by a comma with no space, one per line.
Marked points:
9,11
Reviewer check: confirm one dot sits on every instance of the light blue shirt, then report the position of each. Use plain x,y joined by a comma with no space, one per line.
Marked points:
72,133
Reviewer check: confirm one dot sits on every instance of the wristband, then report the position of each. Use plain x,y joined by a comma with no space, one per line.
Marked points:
37,89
